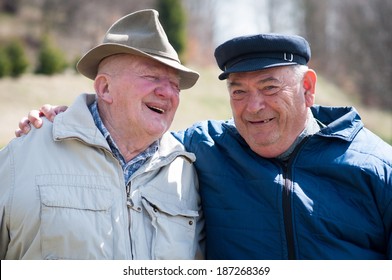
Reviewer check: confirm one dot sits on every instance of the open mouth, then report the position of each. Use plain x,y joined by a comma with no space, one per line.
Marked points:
263,121
267,120
156,109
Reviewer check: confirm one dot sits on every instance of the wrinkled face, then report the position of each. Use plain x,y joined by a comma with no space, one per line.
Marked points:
144,94
270,107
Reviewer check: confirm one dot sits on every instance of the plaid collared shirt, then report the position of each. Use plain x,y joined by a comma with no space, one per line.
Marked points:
134,164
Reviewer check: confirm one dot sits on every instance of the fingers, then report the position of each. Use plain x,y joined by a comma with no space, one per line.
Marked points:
24,127
48,112
59,109
18,133
34,118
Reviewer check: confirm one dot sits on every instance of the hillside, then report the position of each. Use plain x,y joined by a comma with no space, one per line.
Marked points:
208,99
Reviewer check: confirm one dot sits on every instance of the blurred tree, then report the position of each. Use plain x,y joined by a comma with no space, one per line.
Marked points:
17,57
51,60
10,6
350,43
172,17
366,49
5,63
315,22
201,22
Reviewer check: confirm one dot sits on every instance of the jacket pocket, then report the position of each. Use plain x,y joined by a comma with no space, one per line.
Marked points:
174,227
75,217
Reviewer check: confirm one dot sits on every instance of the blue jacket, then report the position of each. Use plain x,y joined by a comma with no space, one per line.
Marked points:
332,200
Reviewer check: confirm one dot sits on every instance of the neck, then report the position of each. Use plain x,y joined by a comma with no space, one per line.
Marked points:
129,145
311,128
129,141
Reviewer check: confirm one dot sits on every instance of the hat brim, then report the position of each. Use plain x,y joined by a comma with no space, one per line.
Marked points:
88,64
255,64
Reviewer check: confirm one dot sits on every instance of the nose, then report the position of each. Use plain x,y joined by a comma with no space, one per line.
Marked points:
255,102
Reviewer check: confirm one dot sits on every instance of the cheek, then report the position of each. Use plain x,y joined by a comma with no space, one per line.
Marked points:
236,108
126,103
176,102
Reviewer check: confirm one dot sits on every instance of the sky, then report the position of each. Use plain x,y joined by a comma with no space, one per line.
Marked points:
238,18
245,17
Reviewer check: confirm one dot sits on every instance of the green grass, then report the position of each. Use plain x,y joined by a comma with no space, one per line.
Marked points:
207,100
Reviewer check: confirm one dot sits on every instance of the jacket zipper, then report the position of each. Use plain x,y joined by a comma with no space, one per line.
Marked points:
287,212
129,206
287,200
129,199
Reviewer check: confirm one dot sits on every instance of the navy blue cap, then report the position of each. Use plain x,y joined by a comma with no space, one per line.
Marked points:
257,52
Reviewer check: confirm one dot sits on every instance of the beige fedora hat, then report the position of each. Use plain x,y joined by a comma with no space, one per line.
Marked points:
138,33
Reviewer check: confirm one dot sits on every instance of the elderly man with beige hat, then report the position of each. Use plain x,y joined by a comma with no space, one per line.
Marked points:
105,180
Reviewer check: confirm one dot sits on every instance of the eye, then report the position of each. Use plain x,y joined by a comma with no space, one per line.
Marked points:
175,84
270,90
237,94
151,78
176,87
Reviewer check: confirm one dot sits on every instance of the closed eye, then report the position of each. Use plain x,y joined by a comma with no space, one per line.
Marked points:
151,78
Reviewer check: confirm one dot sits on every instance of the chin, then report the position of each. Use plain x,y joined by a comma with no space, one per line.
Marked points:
158,132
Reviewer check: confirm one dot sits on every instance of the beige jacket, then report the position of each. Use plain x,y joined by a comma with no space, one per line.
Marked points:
63,196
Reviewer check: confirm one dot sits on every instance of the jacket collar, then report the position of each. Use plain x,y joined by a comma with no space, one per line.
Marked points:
77,122
340,122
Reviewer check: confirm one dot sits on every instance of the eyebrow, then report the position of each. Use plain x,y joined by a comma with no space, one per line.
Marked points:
269,79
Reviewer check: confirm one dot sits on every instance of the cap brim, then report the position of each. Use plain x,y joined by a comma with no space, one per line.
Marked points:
88,64
250,65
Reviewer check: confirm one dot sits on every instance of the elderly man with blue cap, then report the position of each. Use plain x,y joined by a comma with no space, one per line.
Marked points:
285,178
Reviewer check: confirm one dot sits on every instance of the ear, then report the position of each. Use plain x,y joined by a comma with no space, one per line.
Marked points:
102,88
309,84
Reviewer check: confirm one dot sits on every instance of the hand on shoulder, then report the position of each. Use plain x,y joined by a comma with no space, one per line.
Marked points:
34,117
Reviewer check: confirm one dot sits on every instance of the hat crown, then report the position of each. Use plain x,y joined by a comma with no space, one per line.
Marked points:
141,34
142,31
261,51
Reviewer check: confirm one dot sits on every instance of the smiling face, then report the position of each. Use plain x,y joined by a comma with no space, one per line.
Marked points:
139,97
270,106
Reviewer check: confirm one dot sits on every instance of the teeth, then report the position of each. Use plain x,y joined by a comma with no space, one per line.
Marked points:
262,121
265,121
156,109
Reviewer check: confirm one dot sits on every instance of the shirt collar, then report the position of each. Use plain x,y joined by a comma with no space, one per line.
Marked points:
134,164
312,127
